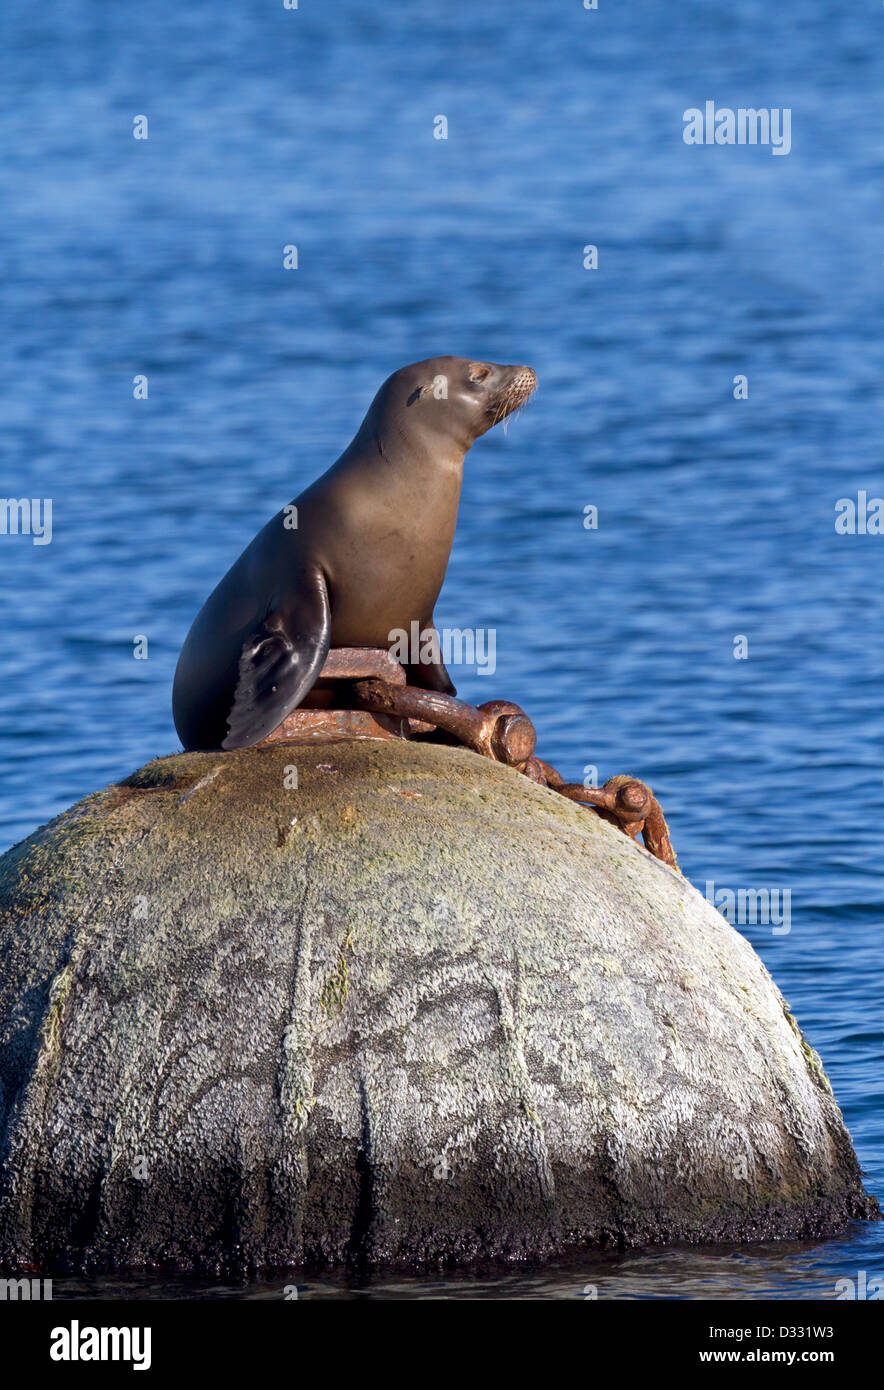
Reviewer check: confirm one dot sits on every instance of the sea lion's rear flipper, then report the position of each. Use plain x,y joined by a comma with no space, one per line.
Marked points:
279,663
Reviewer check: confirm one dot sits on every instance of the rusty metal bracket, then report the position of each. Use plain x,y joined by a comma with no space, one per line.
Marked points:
625,802
497,730
376,702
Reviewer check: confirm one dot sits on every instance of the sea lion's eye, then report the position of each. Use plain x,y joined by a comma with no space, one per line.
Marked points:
478,372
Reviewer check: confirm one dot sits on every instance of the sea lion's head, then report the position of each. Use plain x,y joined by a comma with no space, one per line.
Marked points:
456,397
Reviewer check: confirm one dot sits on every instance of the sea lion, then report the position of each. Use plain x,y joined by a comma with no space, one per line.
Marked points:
361,552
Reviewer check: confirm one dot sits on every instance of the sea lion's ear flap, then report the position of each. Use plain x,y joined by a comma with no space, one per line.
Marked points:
417,394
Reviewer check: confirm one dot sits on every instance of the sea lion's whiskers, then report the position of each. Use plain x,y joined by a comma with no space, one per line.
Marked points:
508,412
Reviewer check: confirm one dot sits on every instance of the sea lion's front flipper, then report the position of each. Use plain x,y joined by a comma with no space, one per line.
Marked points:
279,663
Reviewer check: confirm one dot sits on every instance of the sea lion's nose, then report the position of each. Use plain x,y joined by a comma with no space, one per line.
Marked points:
523,380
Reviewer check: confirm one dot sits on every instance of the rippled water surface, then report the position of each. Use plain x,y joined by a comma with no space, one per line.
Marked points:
716,517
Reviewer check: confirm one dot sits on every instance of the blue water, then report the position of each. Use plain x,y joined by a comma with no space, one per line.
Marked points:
164,257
